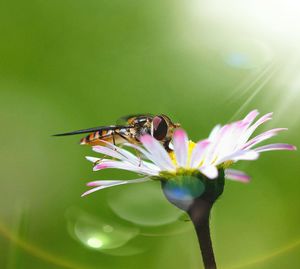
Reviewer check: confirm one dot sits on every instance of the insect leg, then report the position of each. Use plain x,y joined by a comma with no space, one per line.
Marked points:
139,156
166,145
137,152
114,142
113,137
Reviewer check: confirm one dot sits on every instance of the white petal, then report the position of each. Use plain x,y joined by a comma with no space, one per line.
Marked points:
103,183
209,171
109,152
122,154
180,141
239,155
228,142
214,132
158,154
124,166
236,175
150,166
248,155
198,152
92,159
143,152
147,155
216,145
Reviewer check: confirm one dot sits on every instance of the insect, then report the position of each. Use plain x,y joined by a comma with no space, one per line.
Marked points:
160,127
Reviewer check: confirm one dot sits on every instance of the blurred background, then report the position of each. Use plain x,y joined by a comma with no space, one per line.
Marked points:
67,65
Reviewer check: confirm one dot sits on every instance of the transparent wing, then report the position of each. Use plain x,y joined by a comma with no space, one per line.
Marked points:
128,118
95,129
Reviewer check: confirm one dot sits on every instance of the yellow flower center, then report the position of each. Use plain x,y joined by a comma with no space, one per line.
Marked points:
191,146
226,164
187,170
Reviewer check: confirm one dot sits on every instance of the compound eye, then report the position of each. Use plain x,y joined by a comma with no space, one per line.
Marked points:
160,128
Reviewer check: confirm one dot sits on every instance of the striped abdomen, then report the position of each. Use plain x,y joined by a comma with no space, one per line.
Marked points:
112,136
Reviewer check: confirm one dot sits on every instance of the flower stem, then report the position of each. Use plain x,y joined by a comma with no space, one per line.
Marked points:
196,196
199,213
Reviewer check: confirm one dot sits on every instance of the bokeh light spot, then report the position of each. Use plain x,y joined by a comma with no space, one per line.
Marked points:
107,228
246,53
143,204
94,242
101,233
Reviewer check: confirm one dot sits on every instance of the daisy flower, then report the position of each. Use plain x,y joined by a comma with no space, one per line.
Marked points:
209,158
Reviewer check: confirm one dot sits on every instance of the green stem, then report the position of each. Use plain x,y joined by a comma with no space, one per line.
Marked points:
196,196
199,213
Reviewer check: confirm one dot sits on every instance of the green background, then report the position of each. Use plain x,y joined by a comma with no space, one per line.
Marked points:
68,65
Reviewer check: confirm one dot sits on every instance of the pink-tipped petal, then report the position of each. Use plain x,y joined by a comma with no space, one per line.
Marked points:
101,188
124,166
278,146
180,141
247,134
251,116
209,171
158,154
262,137
198,152
263,119
111,183
236,175
259,122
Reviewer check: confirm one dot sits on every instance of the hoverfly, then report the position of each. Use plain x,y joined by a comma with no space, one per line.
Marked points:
159,126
